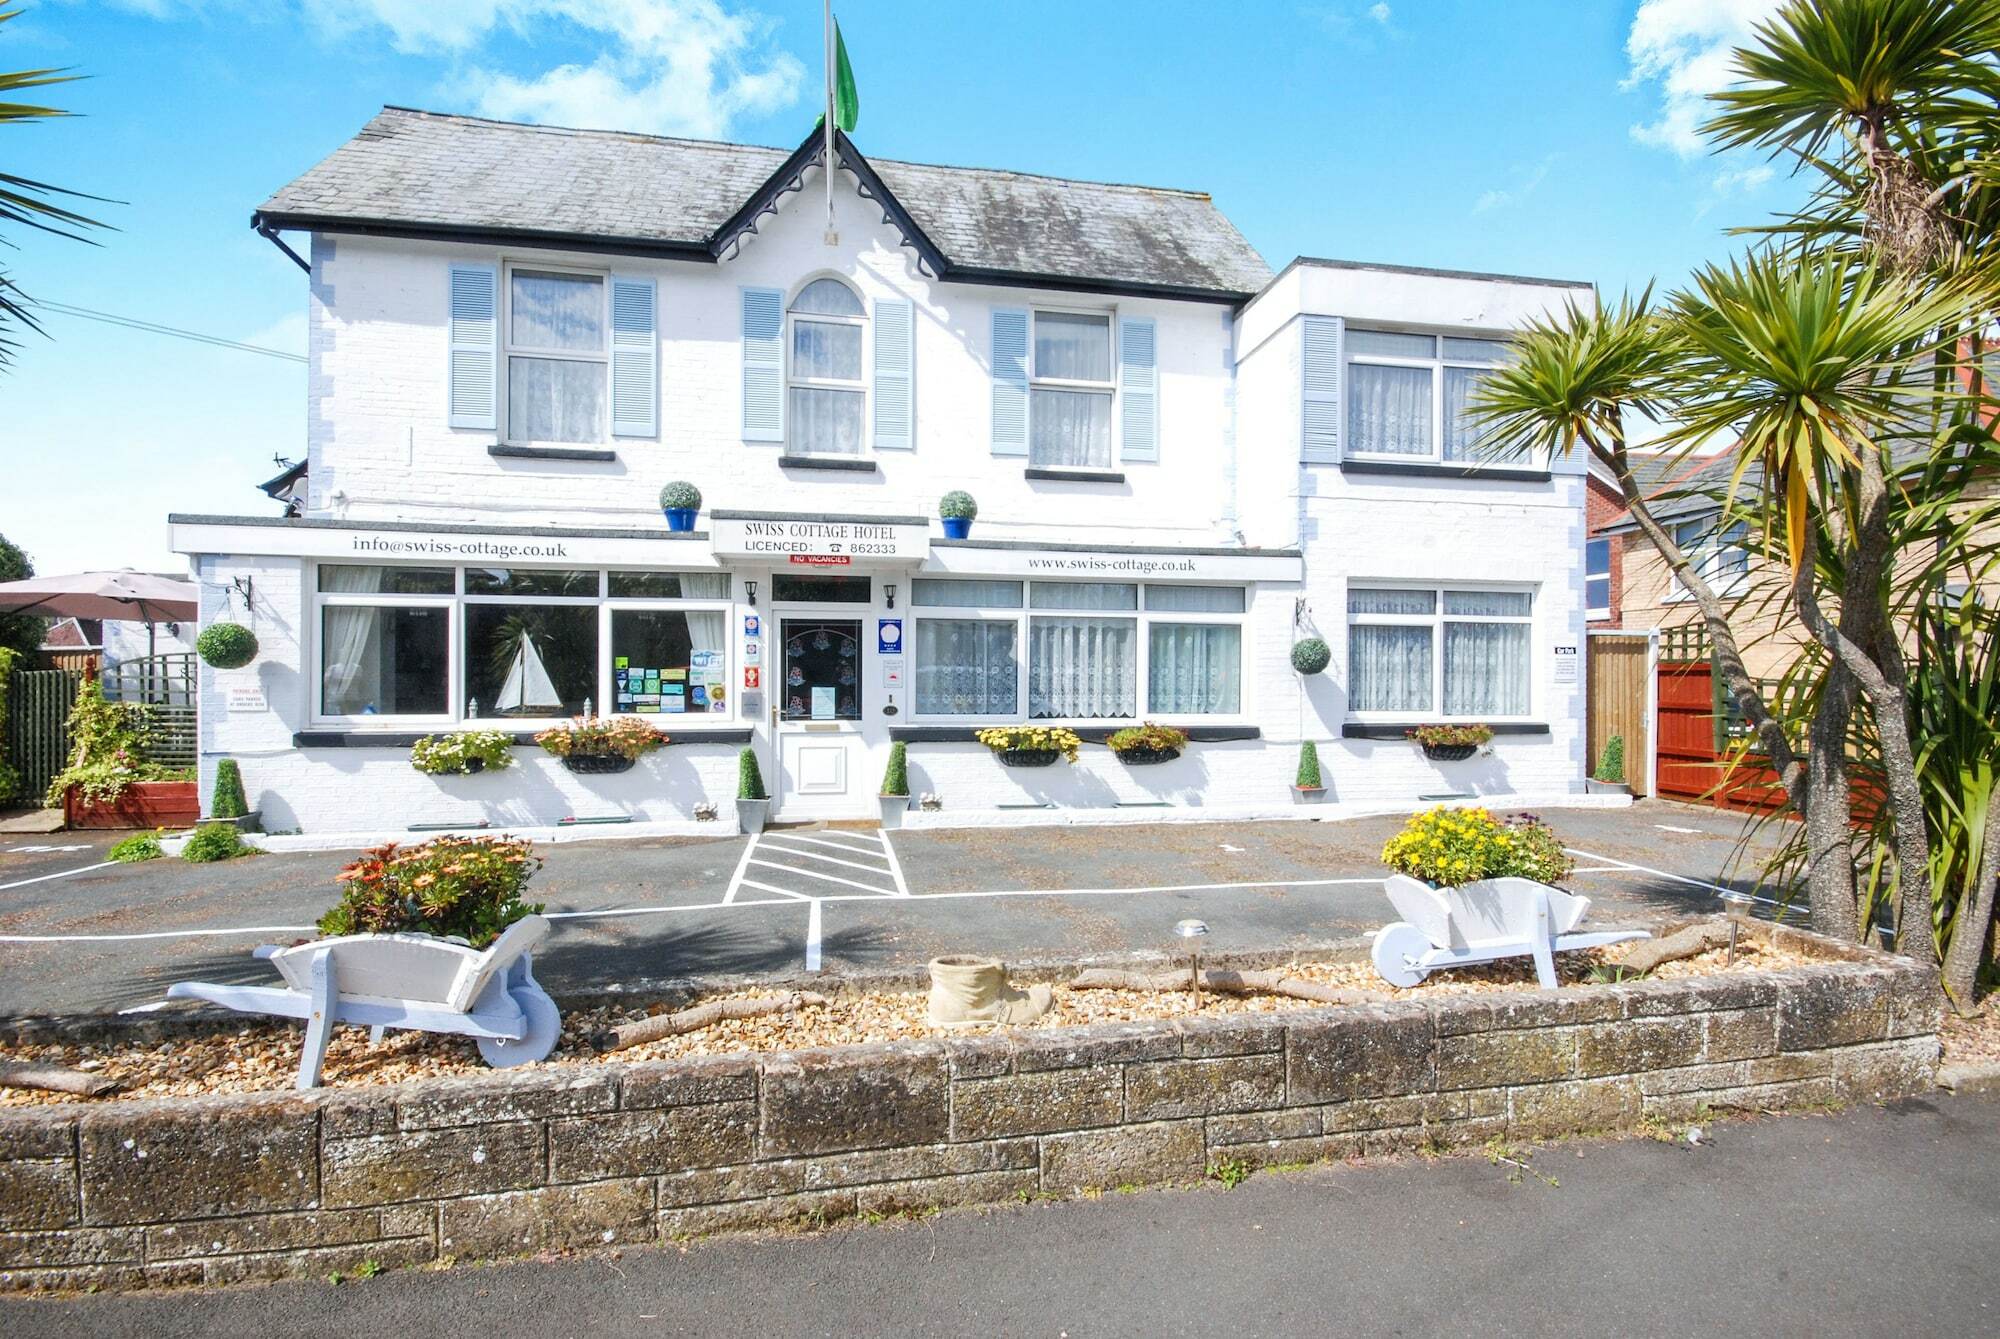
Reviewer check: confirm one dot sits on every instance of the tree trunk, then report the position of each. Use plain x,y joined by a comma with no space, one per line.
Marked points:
1830,891
1683,943
54,1079
1225,983
688,1020
1975,920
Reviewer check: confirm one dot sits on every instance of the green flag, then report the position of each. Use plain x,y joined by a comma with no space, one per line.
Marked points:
846,102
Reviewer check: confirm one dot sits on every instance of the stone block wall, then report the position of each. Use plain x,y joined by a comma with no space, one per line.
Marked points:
223,1189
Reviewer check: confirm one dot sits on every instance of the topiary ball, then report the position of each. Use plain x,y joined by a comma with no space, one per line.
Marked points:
226,645
957,505
680,495
1311,655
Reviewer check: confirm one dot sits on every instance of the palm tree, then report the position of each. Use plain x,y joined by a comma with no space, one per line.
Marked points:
1878,94
26,201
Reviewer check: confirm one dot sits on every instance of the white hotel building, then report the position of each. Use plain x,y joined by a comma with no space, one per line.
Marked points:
1183,465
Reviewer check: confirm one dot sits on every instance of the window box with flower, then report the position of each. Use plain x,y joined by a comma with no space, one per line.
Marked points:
1031,745
597,744
1145,744
1451,743
462,752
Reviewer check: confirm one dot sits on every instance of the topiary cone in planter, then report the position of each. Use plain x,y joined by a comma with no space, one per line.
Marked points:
681,503
1609,778
226,646
753,806
1307,788
226,803
895,797
957,510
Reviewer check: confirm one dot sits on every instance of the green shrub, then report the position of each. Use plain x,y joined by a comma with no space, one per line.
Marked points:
227,799
226,645
1611,763
142,846
10,780
1308,766
957,505
469,887
107,752
679,495
214,841
1310,655
749,780
896,778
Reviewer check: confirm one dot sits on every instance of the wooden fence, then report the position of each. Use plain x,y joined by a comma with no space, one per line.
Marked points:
37,742
1617,693
165,686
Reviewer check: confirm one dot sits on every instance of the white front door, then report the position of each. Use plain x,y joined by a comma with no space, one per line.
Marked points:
820,699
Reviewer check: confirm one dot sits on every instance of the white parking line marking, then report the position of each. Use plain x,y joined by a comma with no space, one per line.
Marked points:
829,878
812,936
1726,894
895,867
1669,827
762,888
161,934
63,874
831,860
790,836
736,879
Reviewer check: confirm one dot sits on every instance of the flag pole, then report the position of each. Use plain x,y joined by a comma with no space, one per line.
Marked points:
830,236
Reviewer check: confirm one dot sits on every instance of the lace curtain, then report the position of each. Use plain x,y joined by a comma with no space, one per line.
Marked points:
350,644
1388,667
1389,409
966,667
1082,668
1195,668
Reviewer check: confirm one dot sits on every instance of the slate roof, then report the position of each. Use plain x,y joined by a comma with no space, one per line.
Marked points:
416,172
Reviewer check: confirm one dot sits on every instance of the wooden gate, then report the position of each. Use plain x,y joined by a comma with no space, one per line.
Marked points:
1697,725
38,706
1616,694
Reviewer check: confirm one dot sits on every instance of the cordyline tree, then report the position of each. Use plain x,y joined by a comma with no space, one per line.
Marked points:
1841,357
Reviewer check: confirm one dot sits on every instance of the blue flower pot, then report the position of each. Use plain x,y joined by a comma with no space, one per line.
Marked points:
957,527
681,518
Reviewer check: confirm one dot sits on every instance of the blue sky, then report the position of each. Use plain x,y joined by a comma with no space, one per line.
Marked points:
1547,137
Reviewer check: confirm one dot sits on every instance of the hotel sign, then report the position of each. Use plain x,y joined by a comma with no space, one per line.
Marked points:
804,542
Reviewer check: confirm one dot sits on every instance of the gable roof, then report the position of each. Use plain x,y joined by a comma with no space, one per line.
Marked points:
414,173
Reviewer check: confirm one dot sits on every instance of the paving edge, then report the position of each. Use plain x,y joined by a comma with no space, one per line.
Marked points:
1981,1078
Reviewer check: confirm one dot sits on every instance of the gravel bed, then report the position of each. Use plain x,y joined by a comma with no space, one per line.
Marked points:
259,1057
1975,1040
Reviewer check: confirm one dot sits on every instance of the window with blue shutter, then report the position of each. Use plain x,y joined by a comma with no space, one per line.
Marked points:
1139,391
474,319
635,358
1010,382
1319,385
763,365
895,382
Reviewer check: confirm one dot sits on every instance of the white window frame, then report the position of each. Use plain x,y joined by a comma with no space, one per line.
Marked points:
1435,621
1141,617
1436,365
1108,389
1711,554
604,700
793,380
1593,612
508,352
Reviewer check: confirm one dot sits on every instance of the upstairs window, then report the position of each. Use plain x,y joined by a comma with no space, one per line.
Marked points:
1403,643
827,393
1070,389
1597,579
1409,397
1719,553
557,362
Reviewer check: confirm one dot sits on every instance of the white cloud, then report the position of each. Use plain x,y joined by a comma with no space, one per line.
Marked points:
1525,183
1379,13
687,67
1686,47
1745,180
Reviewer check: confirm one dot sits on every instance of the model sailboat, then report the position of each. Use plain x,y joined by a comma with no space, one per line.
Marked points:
528,690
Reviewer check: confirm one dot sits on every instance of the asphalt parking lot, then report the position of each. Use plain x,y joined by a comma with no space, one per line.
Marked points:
78,935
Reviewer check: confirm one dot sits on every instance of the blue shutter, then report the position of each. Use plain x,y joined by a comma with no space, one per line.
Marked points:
895,382
1320,371
474,319
1010,382
1138,392
763,365
635,358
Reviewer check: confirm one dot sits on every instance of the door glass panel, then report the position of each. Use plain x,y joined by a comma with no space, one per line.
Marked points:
821,669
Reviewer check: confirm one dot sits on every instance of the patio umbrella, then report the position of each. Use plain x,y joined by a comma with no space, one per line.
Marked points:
135,597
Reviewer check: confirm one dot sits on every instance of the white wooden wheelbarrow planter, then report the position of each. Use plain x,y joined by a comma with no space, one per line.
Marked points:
1482,922
412,981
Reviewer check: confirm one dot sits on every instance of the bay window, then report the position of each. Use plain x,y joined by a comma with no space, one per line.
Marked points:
558,361
826,389
1424,652
1088,647
1070,391
1409,396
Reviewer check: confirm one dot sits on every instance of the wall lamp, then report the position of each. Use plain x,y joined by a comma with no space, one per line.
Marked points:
750,589
889,593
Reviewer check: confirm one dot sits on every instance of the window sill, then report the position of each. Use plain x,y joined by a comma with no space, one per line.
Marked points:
1400,729
853,464
1077,476
1089,734
1445,470
501,451
402,739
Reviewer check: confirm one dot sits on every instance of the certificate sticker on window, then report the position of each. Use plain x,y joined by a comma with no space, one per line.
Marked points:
822,703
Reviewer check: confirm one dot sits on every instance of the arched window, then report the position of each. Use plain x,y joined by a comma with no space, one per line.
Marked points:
825,385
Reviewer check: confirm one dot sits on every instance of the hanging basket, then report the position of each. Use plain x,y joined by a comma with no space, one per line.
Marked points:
1449,752
1146,757
1029,757
597,763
